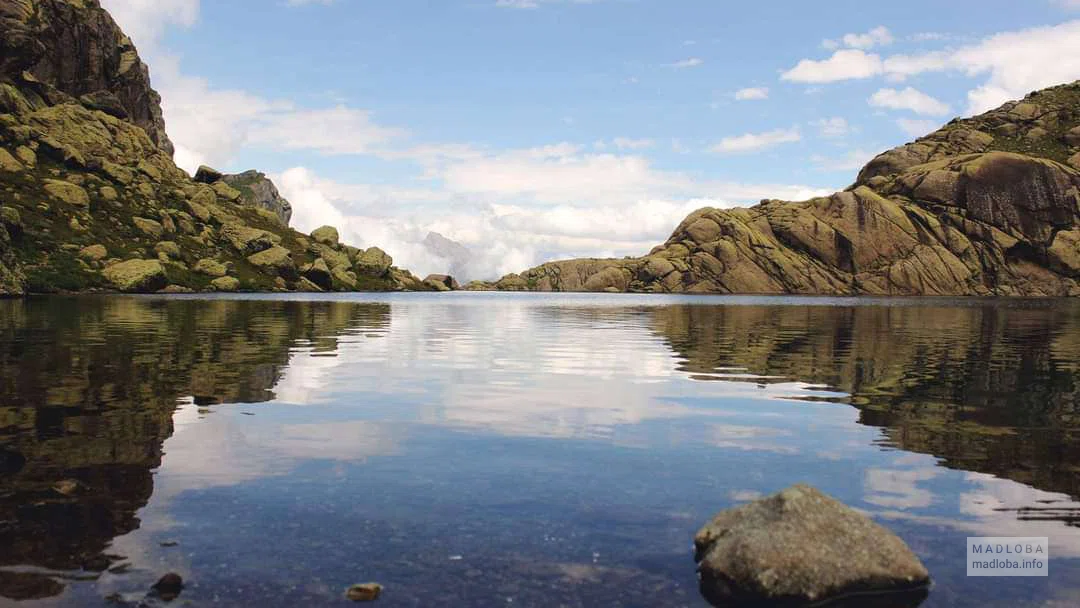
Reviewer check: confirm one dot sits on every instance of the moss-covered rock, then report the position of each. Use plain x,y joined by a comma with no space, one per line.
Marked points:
93,253
211,268
67,192
227,284
276,260
327,235
374,262
141,276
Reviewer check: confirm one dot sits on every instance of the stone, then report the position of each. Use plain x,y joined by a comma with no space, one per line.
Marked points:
246,240
108,193
257,190
277,260
226,284
137,276
374,262
207,175
168,587
198,211
210,267
344,276
1074,161
225,191
67,192
176,289
167,250
151,228
801,547
319,274
365,592
11,220
327,235
8,162
446,281
1072,137
93,253
26,156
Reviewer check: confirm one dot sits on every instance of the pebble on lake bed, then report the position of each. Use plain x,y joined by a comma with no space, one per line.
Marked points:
366,592
800,548
169,586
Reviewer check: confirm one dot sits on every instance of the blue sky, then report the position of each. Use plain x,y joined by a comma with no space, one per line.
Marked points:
536,129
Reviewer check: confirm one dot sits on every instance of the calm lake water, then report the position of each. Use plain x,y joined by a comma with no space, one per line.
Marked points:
516,450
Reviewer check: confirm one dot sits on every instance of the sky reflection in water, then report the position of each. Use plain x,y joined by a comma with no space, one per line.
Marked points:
481,448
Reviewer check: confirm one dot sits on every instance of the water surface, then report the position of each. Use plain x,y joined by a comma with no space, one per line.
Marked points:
516,450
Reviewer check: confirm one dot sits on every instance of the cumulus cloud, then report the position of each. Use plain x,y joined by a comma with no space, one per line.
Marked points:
909,99
846,64
752,93
879,36
752,142
1005,60
144,21
515,209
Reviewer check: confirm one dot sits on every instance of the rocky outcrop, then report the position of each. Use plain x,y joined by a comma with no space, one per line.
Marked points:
77,48
87,170
803,548
985,206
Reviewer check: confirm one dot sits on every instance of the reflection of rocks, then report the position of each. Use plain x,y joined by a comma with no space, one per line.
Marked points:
801,547
994,390
85,411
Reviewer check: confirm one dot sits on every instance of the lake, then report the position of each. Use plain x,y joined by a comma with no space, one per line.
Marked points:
477,449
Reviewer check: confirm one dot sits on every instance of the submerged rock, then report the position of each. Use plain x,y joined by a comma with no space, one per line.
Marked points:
169,586
366,592
800,548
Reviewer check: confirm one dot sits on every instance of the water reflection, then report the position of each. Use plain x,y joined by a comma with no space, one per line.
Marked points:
566,446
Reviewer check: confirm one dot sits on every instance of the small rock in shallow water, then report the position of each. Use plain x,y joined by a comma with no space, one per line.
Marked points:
800,548
367,592
169,543
169,586
67,487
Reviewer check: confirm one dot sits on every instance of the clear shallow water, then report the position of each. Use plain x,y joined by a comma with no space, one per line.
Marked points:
516,450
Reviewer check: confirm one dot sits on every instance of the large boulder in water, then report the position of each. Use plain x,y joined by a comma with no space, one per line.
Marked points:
800,548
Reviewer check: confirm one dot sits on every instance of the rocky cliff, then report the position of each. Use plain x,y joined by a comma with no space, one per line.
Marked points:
984,206
90,197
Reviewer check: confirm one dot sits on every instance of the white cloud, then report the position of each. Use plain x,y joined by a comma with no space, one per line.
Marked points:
751,142
917,128
692,62
832,127
144,21
851,161
879,36
846,64
338,130
1005,60
909,99
752,93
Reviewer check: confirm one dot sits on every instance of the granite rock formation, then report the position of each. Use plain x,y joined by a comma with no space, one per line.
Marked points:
988,205
90,197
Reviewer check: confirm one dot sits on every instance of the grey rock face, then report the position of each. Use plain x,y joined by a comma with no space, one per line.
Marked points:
802,547
77,48
257,189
